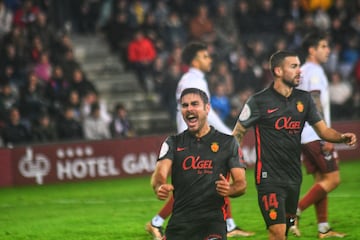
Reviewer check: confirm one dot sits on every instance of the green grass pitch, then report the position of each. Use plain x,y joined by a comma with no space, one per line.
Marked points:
119,209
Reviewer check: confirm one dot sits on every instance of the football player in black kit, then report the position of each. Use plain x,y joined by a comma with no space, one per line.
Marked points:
278,114
201,162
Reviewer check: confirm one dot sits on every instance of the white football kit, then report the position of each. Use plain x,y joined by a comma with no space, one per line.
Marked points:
195,78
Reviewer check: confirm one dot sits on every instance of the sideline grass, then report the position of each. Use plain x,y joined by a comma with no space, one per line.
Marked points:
118,209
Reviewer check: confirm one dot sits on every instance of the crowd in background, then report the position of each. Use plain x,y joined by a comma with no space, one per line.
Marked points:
45,95
241,35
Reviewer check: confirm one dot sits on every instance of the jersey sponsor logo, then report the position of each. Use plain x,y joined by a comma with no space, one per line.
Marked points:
300,106
287,123
272,110
214,147
245,113
195,163
179,149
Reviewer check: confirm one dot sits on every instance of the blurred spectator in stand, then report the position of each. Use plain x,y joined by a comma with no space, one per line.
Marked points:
68,127
341,100
43,30
81,84
138,9
201,26
307,24
32,98
158,74
11,65
355,24
26,15
175,33
291,35
35,50
17,37
88,100
141,55
244,77
74,101
244,19
226,34
337,31
222,75
257,54
322,20
88,16
150,28
220,101
339,10
168,89
294,11
349,55
118,32
69,64
6,19
175,58
44,129
120,126
8,99
56,90
95,128
313,5
267,20
161,12
333,63
15,132
61,14
43,68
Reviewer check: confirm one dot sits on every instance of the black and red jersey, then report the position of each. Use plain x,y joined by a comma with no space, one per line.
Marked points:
278,122
196,165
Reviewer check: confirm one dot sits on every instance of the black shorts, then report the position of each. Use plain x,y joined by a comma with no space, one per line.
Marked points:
203,230
315,160
276,202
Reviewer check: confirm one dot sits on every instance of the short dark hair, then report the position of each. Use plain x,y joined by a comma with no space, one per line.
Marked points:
278,57
197,91
189,52
312,39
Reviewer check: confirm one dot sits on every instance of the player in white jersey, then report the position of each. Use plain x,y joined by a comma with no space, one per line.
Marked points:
197,57
195,78
319,157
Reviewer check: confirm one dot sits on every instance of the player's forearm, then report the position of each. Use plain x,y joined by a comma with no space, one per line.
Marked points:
239,132
237,188
331,135
157,180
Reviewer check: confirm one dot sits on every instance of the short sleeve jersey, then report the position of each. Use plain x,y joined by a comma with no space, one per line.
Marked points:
196,165
278,122
314,79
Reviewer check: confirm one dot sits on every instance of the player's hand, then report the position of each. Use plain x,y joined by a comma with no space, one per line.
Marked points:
222,186
164,190
349,139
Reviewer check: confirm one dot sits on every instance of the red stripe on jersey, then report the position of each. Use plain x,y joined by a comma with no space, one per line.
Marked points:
224,207
258,149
